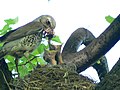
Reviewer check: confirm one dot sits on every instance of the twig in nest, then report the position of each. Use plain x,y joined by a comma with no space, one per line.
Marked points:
5,79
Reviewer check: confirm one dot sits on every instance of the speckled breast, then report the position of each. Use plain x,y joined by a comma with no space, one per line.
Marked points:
20,46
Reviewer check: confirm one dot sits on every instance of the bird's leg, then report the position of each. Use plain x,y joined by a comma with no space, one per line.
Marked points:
16,63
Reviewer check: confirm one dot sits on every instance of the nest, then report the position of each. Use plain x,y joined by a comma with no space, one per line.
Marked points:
53,78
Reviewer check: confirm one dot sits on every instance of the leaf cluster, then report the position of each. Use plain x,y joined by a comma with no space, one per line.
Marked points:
8,27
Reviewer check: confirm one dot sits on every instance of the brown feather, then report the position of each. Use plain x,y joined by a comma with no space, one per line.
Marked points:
28,29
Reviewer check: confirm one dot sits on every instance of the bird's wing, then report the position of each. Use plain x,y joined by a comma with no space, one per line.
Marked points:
28,29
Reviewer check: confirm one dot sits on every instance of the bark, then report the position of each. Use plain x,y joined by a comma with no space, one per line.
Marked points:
84,36
111,80
97,48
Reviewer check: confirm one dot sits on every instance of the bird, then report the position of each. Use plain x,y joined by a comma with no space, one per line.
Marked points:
23,40
53,55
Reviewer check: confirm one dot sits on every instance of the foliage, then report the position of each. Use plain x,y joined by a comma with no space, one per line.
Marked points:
109,19
56,39
35,58
7,27
25,65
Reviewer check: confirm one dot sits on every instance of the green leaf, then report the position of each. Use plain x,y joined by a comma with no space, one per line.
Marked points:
98,62
34,61
5,29
10,58
1,44
23,60
56,39
29,67
41,61
23,71
109,19
11,21
35,52
11,66
41,48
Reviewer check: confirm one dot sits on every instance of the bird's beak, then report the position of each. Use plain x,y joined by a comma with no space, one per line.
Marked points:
48,32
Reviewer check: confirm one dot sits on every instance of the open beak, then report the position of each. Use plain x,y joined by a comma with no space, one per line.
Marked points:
48,32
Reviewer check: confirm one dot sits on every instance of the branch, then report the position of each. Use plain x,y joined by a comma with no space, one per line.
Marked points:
111,80
97,48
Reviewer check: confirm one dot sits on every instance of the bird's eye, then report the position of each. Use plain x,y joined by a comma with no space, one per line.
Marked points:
48,22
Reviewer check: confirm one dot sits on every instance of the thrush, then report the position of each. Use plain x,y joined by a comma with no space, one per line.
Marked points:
25,39
53,55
